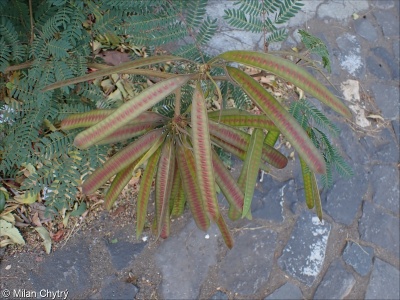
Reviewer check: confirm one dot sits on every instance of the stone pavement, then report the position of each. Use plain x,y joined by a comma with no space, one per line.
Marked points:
285,252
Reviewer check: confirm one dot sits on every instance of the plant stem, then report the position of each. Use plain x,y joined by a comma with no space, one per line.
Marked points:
31,19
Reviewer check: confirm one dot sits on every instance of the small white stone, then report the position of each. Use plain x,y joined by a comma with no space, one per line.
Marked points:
207,236
144,238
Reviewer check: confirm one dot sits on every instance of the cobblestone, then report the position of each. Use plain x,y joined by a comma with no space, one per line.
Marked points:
336,284
359,257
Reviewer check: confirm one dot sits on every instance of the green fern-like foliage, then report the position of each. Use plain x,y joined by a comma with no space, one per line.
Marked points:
317,46
263,17
59,47
318,127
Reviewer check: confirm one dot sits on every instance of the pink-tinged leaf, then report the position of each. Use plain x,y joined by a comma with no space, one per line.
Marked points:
202,153
290,72
216,114
227,183
289,127
191,188
166,167
127,132
93,117
144,191
121,160
120,181
253,157
165,230
239,153
129,111
240,139
120,69
226,235
256,121
85,119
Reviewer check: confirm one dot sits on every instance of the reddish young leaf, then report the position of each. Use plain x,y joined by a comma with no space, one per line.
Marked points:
226,235
93,117
227,183
290,72
127,132
121,160
202,153
282,119
256,121
129,111
240,139
191,188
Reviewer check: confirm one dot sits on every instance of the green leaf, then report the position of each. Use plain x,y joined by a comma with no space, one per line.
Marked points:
290,72
128,111
254,157
144,191
282,119
79,211
307,182
7,229
44,234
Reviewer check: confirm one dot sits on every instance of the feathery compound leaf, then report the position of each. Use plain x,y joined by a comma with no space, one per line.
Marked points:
120,160
191,188
144,191
290,72
282,119
202,153
226,235
128,111
166,167
227,183
254,157
95,116
114,70
118,184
